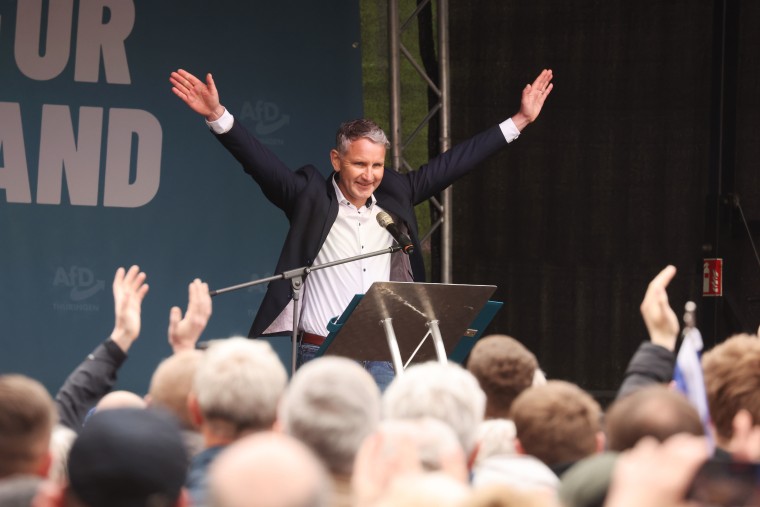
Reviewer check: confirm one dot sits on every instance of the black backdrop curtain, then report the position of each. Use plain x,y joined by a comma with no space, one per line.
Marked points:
611,183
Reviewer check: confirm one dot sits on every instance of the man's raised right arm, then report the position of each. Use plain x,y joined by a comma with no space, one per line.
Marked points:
280,185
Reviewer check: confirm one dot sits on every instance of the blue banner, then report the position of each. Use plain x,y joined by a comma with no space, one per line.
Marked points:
102,166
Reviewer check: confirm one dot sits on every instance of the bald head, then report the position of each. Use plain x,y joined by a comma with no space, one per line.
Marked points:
172,382
120,399
268,469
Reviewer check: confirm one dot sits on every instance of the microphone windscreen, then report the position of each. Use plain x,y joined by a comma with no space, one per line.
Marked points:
384,219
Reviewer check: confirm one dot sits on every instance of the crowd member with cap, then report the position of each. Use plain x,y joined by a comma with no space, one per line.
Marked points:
123,458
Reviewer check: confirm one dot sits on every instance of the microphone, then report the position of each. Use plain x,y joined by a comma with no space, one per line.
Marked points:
387,223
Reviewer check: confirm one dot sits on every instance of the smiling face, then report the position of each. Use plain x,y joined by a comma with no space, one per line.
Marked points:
360,169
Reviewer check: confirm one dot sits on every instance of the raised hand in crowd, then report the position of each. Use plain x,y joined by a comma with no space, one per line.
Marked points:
659,317
129,289
185,331
203,98
656,474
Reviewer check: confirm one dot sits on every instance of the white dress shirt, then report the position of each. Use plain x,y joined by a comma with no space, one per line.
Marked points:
327,292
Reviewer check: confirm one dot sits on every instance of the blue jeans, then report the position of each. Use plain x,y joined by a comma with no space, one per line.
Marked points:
381,371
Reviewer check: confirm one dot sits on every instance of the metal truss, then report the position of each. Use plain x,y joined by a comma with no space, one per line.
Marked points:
442,108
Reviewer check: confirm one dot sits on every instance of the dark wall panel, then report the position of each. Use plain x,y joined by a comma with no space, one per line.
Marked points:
605,189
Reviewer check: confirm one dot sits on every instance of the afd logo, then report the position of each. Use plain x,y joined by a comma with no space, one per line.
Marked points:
266,116
80,281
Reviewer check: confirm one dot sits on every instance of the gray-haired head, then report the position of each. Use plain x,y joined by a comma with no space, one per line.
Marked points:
446,392
356,129
331,405
240,381
435,442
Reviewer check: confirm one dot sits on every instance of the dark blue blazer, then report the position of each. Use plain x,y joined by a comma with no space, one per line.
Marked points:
308,200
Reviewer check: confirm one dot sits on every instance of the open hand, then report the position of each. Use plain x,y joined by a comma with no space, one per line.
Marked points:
203,98
129,289
184,332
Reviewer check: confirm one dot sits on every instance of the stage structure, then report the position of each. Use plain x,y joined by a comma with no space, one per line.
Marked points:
442,90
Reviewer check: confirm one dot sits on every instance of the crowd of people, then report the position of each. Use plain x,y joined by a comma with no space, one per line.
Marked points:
226,427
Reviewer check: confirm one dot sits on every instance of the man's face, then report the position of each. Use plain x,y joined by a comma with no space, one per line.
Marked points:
360,169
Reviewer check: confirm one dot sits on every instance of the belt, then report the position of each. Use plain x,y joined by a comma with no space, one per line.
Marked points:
312,339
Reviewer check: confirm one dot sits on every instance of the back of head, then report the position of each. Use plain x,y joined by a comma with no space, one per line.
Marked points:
120,399
240,381
172,382
27,417
442,391
502,495
128,457
434,442
654,411
331,405
504,368
557,423
357,129
732,381
496,437
268,469
424,490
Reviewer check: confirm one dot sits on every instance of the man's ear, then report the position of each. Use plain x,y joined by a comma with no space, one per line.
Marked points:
196,416
335,159
473,456
183,500
601,441
44,465
518,447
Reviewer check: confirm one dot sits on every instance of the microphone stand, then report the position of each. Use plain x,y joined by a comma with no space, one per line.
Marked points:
296,277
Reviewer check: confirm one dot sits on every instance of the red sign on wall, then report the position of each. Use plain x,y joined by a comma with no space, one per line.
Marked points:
712,277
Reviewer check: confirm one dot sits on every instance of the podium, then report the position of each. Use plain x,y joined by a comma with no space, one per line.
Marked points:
405,322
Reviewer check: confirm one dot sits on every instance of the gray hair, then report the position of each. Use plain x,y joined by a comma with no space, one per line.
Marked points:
356,129
435,441
331,405
446,392
496,438
240,381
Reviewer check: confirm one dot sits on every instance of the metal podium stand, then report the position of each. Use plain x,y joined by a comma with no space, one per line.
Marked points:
416,321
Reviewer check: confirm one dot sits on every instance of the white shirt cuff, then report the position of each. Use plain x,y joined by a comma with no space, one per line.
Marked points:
508,128
223,124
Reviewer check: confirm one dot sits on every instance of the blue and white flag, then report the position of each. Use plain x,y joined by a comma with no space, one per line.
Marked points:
689,378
